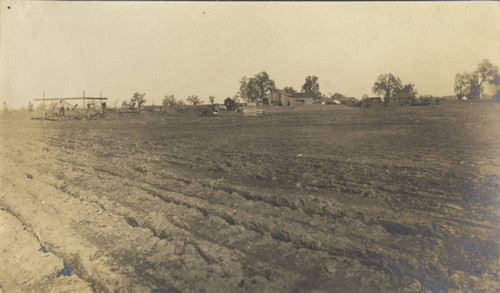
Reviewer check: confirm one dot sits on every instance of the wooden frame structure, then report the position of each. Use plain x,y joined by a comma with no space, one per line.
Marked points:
84,98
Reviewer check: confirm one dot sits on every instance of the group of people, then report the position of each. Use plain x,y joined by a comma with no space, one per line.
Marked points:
62,107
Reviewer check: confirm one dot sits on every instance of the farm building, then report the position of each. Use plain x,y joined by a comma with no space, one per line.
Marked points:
280,98
252,108
372,100
402,100
350,101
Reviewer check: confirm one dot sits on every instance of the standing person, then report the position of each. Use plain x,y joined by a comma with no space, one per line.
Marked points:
386,101
61,108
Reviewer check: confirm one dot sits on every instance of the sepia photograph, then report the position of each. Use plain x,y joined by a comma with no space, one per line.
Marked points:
179,146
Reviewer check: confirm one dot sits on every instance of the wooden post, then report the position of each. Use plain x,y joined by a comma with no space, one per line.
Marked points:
84,106
44,109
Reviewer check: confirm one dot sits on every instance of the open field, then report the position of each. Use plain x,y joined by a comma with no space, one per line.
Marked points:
335,199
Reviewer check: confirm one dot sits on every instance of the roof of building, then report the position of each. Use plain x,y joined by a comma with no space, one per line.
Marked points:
302,95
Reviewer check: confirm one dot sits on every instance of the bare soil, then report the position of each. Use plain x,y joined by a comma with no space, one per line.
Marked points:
318,199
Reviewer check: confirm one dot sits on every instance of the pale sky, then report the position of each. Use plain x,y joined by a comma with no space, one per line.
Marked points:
189,48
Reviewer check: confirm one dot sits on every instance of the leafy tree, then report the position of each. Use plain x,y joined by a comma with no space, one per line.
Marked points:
470,83
289,90
138,99
466,84
364,97
194,100
246,89
386,85
169,100
212,99
255,88
230,104
311,85
407,91
488,73
180,103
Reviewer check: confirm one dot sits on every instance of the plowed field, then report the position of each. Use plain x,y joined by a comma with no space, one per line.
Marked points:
322,200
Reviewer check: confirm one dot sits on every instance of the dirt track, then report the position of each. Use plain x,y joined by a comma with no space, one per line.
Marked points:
336,200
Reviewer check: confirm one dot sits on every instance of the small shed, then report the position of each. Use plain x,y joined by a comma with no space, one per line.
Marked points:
252,108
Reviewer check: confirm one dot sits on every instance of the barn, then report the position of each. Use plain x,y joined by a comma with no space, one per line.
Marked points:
280,98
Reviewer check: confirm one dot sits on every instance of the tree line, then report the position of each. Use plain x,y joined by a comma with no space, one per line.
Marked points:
467,84
252,89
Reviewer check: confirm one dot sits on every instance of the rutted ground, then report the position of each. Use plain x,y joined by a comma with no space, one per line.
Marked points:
350,200
26,264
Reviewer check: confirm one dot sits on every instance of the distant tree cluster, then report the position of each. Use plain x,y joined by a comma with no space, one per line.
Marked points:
169,100
406,91
311,85
137,100
289,90
194,100
390,86
470,83
255,88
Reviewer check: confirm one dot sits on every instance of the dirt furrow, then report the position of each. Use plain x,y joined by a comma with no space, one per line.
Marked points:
283,236
250,221
60,237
